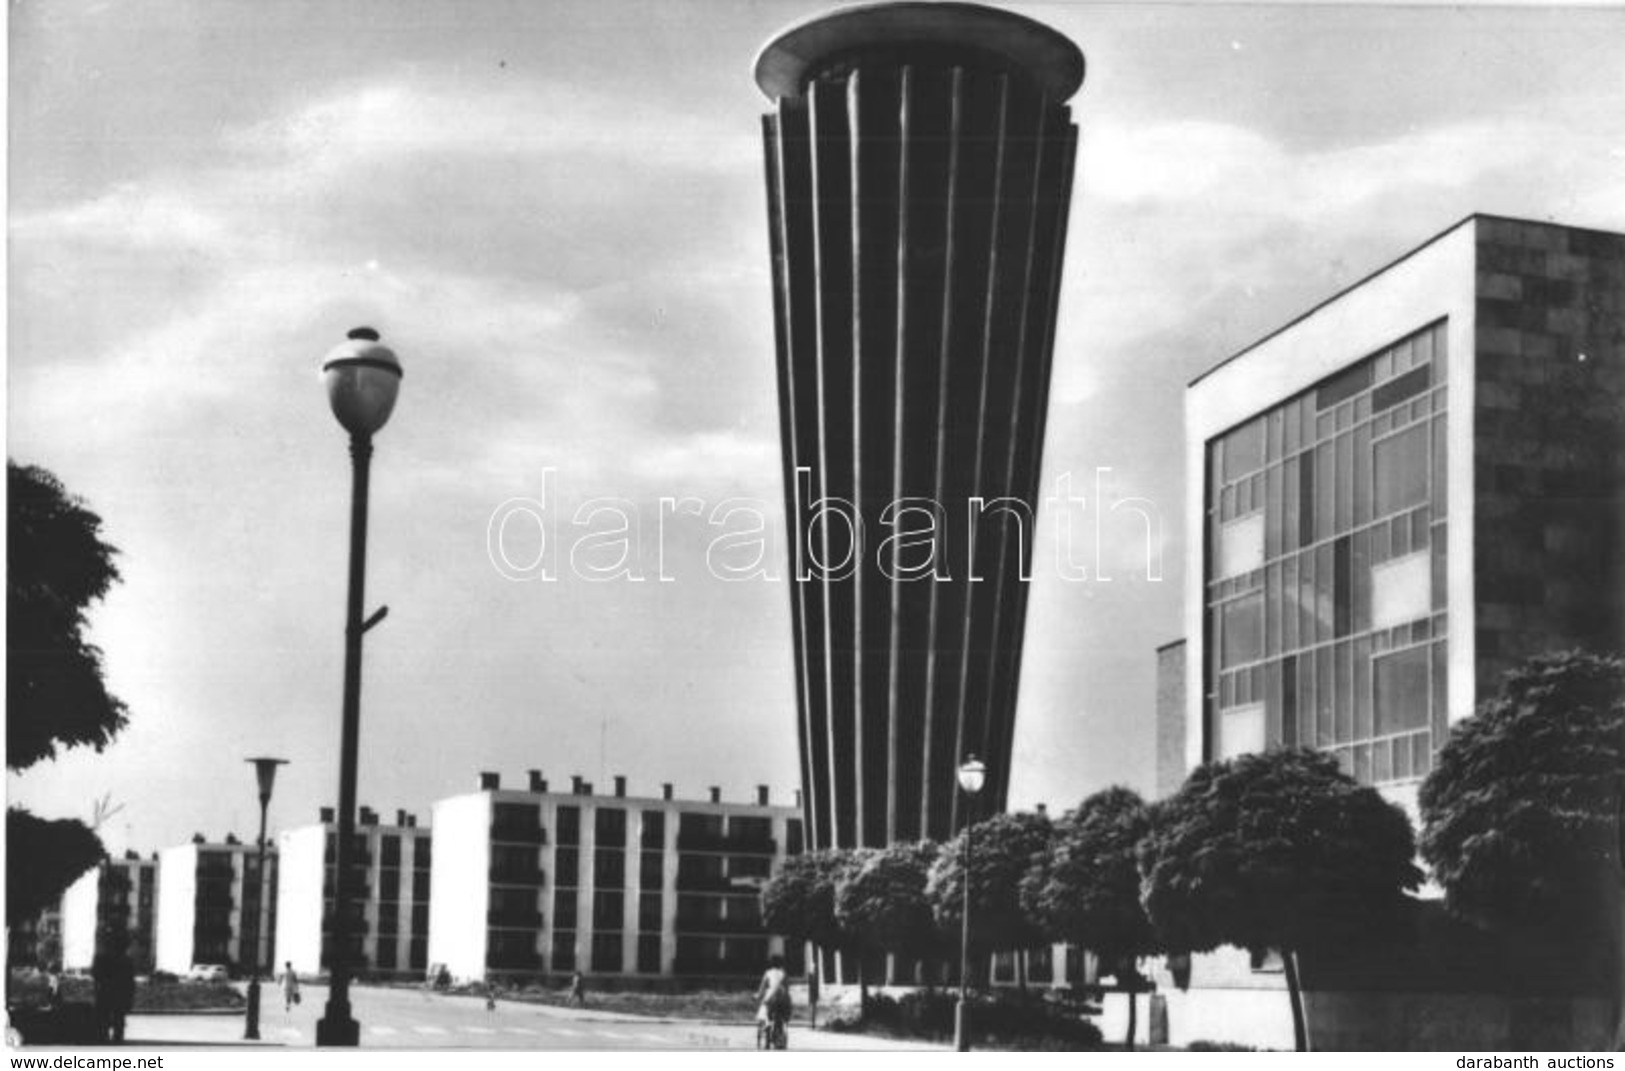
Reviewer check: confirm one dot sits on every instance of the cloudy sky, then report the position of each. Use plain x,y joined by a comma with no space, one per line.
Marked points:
553,210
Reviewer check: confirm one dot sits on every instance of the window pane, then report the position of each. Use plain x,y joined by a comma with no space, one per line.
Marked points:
1362,474
1242,630
1402,469
1401,690
1244,450
1325,490
1400,388
1345,384
1441,479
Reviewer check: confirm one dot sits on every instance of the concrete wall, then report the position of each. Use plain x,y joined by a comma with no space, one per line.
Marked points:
79,904
299,899
458,883
177,893
1171,759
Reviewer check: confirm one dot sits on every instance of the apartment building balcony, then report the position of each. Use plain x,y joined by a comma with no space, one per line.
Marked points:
725,843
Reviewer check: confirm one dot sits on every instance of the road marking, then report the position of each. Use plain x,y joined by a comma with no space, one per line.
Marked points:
521,1030
382,1031
566,1031
617,1036
481,1030
429,1029
290,1032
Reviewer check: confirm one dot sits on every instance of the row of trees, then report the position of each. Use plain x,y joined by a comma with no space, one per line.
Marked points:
1277,851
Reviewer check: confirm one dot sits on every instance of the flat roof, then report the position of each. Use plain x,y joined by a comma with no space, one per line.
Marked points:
1471,218
1053,61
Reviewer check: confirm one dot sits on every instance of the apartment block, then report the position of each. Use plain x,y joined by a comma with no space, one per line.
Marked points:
390,935
532,882
116,899
215,906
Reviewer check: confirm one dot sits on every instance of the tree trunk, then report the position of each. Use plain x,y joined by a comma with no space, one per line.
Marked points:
863,985
1300,1028
1128,1042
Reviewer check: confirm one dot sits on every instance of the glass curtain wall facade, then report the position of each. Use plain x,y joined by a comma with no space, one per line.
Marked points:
1325,582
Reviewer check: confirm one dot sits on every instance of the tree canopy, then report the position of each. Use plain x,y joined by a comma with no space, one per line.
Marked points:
881,902
799,901
1519,818
1002,851
1086,889
1274,850
56,566
1280,850
43,858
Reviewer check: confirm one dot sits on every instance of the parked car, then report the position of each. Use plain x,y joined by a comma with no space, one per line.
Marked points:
207,972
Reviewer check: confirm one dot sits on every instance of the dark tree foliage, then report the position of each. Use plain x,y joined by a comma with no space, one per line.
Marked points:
799,901
56,566
1086,889
1002,851
42,859
1520,819
881,903
1279,850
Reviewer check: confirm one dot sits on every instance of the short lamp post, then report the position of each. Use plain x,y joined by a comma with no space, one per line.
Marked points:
265,773
363,377
971,776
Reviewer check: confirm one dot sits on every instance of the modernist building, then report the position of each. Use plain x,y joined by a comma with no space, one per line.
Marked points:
919,172
116,899
1391,500
390,932
1404,492
215,906
529,882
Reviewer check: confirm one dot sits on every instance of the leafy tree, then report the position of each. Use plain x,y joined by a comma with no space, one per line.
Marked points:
1279,850
56,566
881,904
43,858
1002,851
1519,816
799,901
1086,889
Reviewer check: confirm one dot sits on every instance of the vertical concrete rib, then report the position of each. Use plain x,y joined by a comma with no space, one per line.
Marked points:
894,640
974,552
783,328
935,716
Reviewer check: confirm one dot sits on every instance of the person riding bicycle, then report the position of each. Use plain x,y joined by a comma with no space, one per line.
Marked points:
773,995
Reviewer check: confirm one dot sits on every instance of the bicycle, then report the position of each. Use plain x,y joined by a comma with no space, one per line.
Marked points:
773,1032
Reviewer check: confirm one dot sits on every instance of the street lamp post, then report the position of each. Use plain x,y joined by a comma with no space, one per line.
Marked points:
265,773
971,775
363,377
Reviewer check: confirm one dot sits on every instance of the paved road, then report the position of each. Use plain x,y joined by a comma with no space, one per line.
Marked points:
417,1019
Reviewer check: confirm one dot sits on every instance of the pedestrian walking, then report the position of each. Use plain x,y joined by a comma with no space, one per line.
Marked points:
578,989
113,976
290,987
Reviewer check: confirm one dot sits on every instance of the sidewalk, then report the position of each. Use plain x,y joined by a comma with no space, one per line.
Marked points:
168,1031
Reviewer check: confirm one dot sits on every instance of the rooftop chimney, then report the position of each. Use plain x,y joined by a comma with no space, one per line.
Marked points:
798,797
400,816
575,784
665,790
537,782
369,817
325,814
716,794
761,795
489,780
620,786
1042,810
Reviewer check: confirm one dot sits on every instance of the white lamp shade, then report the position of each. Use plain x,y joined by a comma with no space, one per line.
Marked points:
363,377
972,774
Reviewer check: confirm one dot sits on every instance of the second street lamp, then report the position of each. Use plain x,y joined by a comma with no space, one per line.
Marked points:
363,377
971,776
265,774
